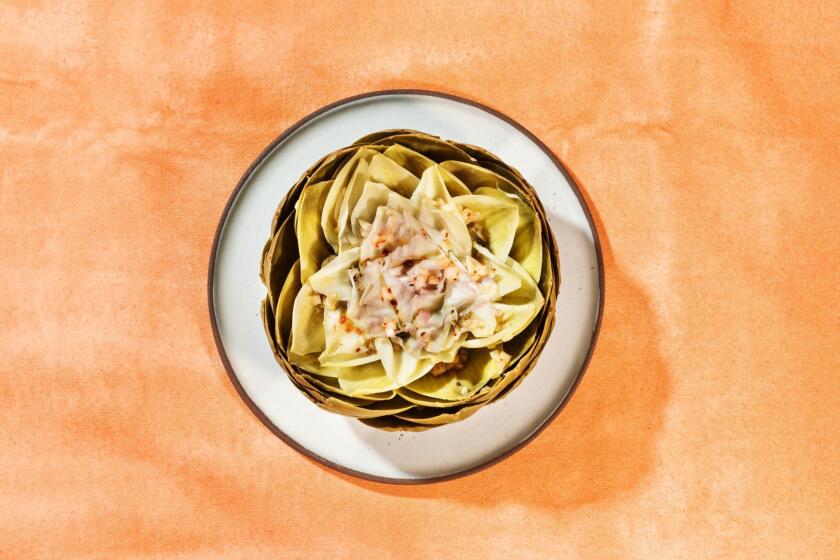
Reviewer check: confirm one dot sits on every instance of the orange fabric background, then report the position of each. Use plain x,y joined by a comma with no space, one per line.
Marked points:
705,135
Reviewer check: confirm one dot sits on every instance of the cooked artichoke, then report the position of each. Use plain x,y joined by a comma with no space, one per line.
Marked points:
411,280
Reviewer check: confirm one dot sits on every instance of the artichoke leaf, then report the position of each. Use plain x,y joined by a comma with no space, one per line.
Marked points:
413,162
373,196
279,258
362,409
448,355
345,346
312,245
527,248
476,177
430,146
447,217
431,187
511,377
267,316
433,418
424,400
367,379
512,319
309,363
454,185
388,172
284,208
521,343
507,279
346,238
498,218
307,335
343,360
480,367
515,285
335,196
400,366
285,306
331,385
528,290
328,165
333,280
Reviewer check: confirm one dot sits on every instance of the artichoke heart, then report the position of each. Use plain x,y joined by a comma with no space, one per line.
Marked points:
409,280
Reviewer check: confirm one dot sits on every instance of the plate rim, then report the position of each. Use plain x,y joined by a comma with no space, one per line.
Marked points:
301,448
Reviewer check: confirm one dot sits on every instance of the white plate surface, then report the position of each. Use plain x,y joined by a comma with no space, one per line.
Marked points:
495,430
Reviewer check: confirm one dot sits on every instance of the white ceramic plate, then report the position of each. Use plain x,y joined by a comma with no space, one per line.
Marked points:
495,431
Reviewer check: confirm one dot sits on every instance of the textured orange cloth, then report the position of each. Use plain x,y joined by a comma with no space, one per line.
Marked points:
704,134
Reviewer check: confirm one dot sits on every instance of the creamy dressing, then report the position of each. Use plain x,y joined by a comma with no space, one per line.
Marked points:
411,287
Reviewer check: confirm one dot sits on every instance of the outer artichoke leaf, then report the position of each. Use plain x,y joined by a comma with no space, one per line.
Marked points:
311,392
505,381
479,153
285,306
388,172
433,418
413,162
333,280
331,385
343,360
307,335
527,248
267,316
455,385
362,409
547,277
279,258
475,177
310,363
400,366
454,185
424,400
328,165
499,219
523,368
312,245
430,146
507,172
266,247
284,208
521,343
